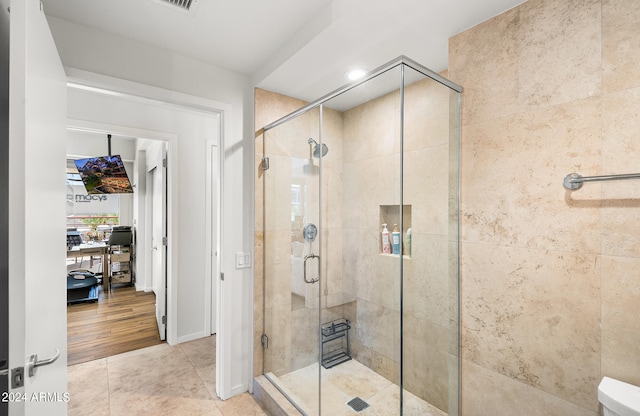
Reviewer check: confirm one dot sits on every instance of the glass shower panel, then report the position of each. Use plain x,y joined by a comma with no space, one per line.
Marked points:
361,282
430,242
292,254
352,323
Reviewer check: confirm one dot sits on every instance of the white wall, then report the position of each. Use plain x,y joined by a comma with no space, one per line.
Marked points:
84,144
98,52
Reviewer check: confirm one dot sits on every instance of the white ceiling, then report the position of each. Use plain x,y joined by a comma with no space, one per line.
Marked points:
300,48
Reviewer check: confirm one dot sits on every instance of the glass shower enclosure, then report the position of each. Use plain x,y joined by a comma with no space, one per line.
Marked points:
361,265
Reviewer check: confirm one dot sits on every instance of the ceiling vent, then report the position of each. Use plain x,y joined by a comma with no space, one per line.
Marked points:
187,6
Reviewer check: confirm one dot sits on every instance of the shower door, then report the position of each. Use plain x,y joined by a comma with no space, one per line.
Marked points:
293,258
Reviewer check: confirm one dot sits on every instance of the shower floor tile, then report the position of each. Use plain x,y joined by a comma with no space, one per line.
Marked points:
342,383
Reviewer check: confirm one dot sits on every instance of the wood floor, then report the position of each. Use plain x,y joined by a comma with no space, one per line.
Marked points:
122,320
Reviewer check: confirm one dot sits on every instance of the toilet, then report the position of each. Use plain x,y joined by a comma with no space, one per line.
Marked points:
619,398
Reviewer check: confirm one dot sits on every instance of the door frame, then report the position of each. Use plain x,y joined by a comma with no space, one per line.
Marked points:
103,84
213,232
4,206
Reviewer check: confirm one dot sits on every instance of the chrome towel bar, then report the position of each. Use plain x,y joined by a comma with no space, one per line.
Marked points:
574,181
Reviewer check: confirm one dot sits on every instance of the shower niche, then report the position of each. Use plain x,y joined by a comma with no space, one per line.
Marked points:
382,150
391,216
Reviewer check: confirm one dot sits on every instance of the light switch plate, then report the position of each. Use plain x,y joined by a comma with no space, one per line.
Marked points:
243,260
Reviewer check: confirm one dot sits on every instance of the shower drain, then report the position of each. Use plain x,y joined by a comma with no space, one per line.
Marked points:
358,404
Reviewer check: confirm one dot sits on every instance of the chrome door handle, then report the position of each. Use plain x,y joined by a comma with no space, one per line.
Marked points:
4,372
33,363
304,267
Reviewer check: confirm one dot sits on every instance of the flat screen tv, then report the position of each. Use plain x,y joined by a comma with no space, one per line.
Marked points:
104,175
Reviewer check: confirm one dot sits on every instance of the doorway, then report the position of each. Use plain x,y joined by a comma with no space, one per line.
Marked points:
129,308
186,130
186,133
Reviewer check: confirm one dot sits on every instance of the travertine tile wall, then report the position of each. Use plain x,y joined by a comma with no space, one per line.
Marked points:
371,179
550,288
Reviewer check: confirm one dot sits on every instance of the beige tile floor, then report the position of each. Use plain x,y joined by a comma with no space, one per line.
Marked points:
159,380
342,383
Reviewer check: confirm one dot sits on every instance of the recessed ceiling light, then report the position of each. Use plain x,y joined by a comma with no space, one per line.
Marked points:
356,73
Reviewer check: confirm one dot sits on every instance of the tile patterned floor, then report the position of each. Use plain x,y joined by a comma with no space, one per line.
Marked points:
342,383
159,380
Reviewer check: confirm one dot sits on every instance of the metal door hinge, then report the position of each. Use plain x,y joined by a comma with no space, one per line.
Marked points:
264,340
265,163
164,162
165,241
164,319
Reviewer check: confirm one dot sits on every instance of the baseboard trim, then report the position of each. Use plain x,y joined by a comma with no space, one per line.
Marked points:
191,337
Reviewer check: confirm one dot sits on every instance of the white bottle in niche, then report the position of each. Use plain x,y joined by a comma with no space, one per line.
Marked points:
395,239
386,243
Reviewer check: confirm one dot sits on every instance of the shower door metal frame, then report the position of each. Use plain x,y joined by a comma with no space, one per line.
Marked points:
401,60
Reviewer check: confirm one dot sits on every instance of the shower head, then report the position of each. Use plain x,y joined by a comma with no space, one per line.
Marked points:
317,149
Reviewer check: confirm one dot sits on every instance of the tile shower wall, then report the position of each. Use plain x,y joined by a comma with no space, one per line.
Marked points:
371,179
361,174
550,288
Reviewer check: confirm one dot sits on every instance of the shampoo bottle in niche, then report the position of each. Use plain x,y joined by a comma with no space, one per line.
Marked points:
409,242
386,243
395,239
